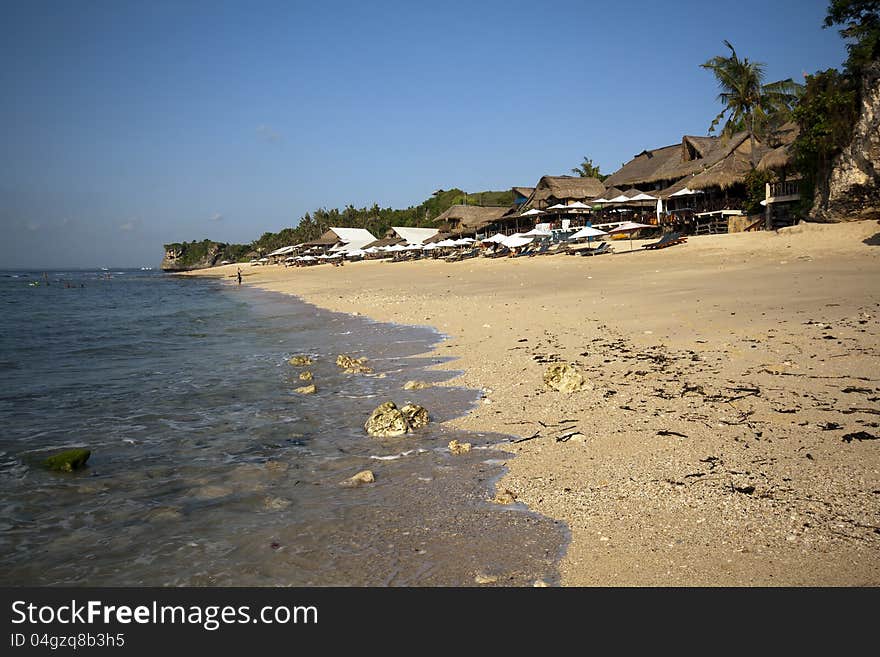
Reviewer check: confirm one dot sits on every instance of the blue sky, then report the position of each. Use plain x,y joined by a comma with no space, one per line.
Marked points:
126,125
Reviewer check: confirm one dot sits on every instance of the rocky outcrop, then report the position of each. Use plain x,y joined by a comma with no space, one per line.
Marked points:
186,256
299,361
310,389
853,189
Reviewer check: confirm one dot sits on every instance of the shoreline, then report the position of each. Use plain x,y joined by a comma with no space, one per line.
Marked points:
706,457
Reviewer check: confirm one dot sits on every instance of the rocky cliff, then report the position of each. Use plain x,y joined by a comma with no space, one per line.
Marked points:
193,255
853,190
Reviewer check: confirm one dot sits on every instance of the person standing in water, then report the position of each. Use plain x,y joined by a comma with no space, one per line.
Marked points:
239,275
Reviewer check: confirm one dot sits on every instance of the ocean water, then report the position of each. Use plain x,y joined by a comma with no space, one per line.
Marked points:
206,467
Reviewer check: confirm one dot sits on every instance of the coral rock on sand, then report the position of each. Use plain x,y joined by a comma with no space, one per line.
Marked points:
353,365
564,378
361,478
386,421
306,376
72,459
306,390
416,416
300,361
417,385
505,496
459,448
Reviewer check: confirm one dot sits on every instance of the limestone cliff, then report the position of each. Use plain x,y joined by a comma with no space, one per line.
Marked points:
193,255
853,189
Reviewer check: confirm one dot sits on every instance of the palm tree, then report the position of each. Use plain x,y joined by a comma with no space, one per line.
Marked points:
749,104
588,170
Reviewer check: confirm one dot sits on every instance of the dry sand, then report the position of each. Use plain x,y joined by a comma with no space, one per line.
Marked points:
723,375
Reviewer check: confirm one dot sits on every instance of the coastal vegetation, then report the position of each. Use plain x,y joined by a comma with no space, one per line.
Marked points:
829,107
314,224
750,104
587,169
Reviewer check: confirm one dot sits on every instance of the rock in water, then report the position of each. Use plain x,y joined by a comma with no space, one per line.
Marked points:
306,376
416,415
387,421
276,503
564,378
353,365
72,459
459,448
306,390
300,361
361,478
416,385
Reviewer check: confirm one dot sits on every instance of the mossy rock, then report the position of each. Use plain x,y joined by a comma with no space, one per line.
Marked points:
417,385
300,361
72,459
306,376
306,390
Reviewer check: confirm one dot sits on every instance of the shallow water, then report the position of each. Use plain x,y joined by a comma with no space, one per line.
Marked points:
206,467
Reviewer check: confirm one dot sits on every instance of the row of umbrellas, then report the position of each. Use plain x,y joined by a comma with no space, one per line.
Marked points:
510,241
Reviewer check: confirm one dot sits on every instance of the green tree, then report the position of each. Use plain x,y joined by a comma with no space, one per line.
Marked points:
587,169
861,21
749,104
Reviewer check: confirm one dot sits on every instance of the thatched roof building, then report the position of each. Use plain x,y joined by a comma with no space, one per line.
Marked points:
465,219
551,190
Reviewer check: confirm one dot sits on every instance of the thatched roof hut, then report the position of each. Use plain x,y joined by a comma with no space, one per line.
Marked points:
551,190
465,219
663,165
778,158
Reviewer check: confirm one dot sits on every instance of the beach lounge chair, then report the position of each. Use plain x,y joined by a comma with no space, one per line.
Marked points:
669,239
540,250
498,253
603,247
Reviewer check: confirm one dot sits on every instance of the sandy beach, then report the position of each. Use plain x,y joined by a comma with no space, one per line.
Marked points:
727,433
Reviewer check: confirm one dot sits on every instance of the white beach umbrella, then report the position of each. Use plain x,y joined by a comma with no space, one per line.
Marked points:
515,241
596,201
429,247
577,205
497,238
629,227
445,243
641,196
538,232
532,212
413,247
587,231
686,192
558,206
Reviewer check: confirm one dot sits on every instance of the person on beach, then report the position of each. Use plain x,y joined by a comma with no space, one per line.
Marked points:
238,274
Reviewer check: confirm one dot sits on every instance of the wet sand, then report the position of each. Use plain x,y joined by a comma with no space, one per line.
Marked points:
726,434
